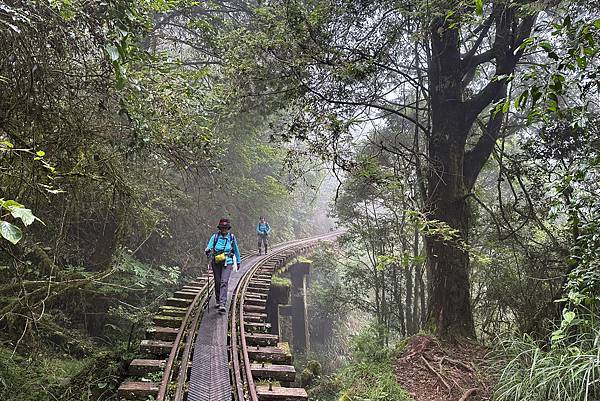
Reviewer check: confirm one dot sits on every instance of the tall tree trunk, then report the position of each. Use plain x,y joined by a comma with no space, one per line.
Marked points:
453,169
419,303
408,276
448,263
422,297
416,321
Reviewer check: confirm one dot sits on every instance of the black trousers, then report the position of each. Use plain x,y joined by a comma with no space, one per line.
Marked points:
221,274
263,239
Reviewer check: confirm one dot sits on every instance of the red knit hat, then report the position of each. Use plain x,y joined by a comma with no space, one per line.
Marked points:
224,223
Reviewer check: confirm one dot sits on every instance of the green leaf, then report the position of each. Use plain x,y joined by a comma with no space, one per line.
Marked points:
553,56
569,316
10,203
479,7
119,75
40,153
113,52
546,46
521,100
535,95
557,335
525,43
581,62
22,213
10,232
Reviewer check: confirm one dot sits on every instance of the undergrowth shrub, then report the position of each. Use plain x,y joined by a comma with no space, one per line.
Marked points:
50,375
534,372
567,366
367,346
368,377
370,381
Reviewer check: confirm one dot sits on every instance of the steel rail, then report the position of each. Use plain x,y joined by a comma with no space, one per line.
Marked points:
242,377
169,367
183,365
195,311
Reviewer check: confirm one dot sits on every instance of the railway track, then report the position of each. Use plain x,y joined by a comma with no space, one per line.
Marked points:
168,345
164,373
260,366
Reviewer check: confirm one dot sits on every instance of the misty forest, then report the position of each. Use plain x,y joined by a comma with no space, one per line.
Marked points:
426,175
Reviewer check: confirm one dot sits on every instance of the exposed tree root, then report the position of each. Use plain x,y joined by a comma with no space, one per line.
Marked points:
433,370
468,393
437,374
459,363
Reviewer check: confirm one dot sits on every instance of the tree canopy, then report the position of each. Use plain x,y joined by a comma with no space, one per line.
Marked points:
456,141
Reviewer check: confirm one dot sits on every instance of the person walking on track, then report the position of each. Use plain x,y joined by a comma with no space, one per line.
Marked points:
223,251
263,229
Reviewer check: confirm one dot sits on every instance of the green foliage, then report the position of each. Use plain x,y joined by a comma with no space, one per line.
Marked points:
479,7
143,275
367,346
52,375
315,367
280,281
531,371
306,377
382,254
565,364
8,230
23,379
435,228
369,375
571,47
370,381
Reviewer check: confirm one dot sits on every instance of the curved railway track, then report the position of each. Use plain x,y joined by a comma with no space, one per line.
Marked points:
254,354
164,374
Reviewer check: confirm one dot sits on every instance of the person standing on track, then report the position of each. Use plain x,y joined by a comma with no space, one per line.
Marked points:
222,248
263,229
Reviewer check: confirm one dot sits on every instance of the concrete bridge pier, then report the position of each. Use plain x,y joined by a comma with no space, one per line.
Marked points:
297,307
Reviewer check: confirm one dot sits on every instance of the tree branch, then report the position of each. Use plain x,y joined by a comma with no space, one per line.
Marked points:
476,158
469,59
367,104
504,50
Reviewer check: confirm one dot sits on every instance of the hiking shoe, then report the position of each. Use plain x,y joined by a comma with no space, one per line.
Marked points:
222,309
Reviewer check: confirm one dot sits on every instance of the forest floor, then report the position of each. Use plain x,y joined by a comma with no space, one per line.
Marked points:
432,370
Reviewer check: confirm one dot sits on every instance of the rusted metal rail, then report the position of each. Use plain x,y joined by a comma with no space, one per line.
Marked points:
173,337
254,354
165,375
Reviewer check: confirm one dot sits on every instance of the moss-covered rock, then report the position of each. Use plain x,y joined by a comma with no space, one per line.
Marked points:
315,367
306,377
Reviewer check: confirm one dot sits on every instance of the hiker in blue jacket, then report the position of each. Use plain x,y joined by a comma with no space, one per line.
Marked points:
263,229
222,248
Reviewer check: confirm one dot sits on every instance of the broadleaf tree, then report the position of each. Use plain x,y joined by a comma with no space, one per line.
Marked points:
446,67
